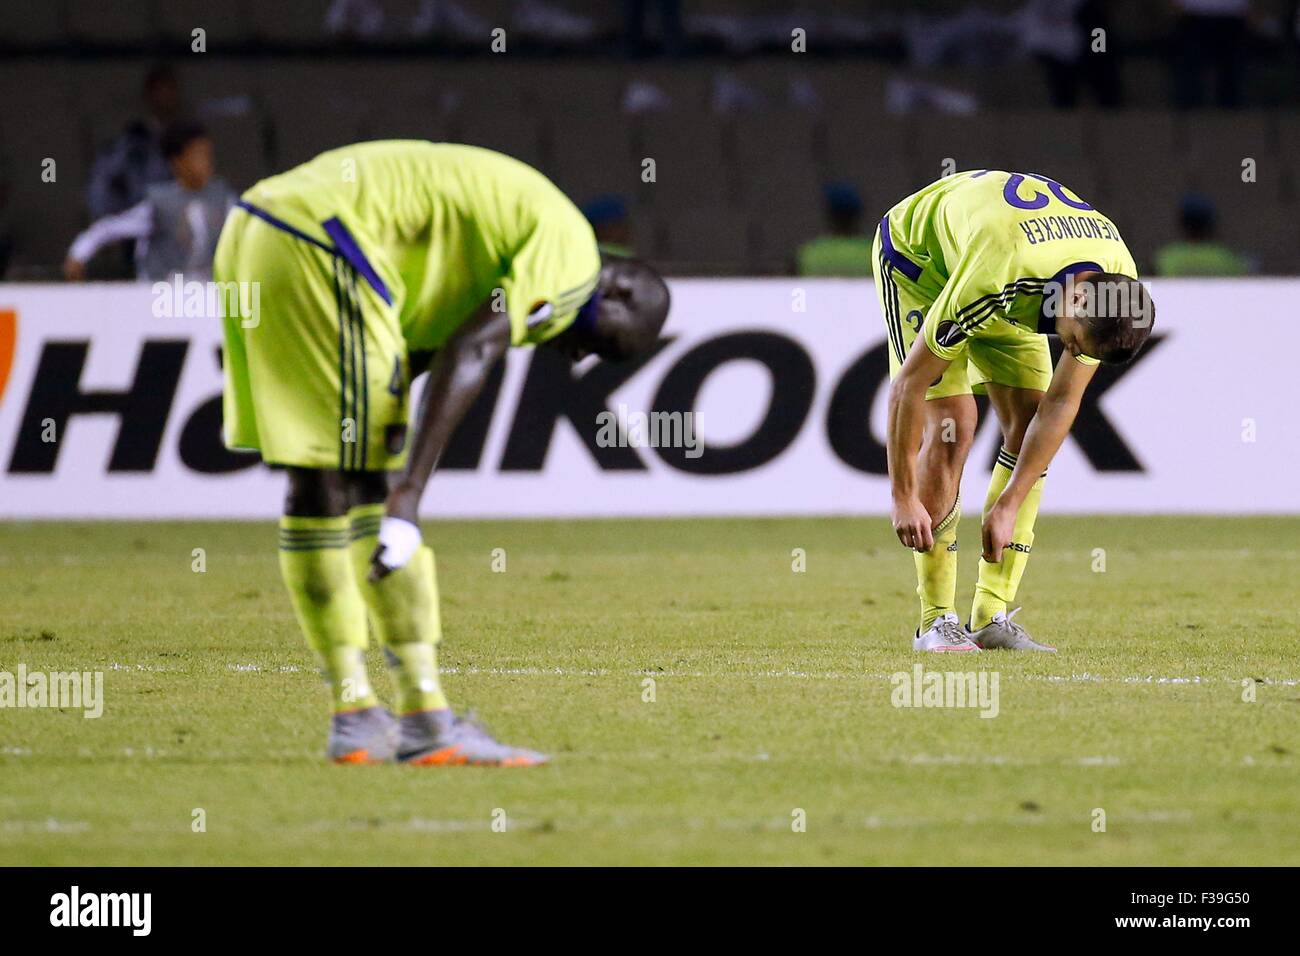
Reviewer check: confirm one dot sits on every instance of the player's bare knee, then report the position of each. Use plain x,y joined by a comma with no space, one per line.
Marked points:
316,493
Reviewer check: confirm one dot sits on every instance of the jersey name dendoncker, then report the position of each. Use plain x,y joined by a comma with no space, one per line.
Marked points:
991,242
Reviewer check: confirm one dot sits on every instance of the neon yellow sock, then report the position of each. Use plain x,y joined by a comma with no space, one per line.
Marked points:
997,583
936,570
404,614
317,571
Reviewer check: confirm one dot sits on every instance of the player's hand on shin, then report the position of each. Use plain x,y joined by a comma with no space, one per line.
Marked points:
999,526
912,524
399,533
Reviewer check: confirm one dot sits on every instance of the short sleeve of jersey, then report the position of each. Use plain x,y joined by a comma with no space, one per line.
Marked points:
550,278
969,300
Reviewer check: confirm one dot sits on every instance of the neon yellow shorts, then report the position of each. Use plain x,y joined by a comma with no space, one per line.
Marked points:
318,375
1018,359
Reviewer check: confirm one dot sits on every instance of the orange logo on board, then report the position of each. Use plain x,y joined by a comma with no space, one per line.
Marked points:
8,341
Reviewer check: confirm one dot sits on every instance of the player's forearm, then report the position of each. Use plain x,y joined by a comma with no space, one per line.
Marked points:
456,378
1043,439
906,421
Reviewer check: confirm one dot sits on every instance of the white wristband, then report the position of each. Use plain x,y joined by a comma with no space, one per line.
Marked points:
398,542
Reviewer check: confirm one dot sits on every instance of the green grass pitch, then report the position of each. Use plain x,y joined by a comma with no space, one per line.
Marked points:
771,696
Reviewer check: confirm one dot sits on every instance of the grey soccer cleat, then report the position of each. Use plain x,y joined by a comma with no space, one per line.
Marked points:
945,635
363,736
438,738
1004,634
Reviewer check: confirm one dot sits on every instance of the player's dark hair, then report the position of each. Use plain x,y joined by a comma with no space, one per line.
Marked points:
1119,318
178,136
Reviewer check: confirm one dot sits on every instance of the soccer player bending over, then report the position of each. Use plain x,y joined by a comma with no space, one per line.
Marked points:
976,270
371,259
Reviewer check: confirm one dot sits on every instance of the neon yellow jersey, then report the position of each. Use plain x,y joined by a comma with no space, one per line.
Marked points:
447,228
993,240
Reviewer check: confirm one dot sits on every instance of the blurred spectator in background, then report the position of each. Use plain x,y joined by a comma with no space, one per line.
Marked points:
1210,36
634,26
551,22
176,225
358,19
906,94
454,20
1198,253
134,160
846,250
1059,34
609,220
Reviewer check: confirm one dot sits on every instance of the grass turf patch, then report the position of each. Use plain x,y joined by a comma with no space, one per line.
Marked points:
772,695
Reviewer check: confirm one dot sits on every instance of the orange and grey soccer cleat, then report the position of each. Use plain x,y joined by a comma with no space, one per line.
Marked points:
1004,634
363,736
945,635
438,738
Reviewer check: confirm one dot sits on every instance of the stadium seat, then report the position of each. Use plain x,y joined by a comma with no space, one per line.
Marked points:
570,88
299,23
1138,139
969,142
794,127
312,108
216,77
34,128
682,89
690,154
1055,144
1288,134
705,239
589,154
109,95
222,23
239,141
856,92
1137,173
516,133
30,23
780,178
775,148
876,153
407,118
123,21
1218,143
1268,235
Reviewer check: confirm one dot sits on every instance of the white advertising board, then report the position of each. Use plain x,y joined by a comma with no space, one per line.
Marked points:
109,411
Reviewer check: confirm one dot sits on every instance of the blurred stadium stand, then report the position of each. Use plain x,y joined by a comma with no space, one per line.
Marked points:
742,143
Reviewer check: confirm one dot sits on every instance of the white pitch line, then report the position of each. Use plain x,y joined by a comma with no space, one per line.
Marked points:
1083,678
50,825
839,675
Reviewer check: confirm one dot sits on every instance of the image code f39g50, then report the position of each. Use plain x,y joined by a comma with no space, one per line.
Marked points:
533,435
